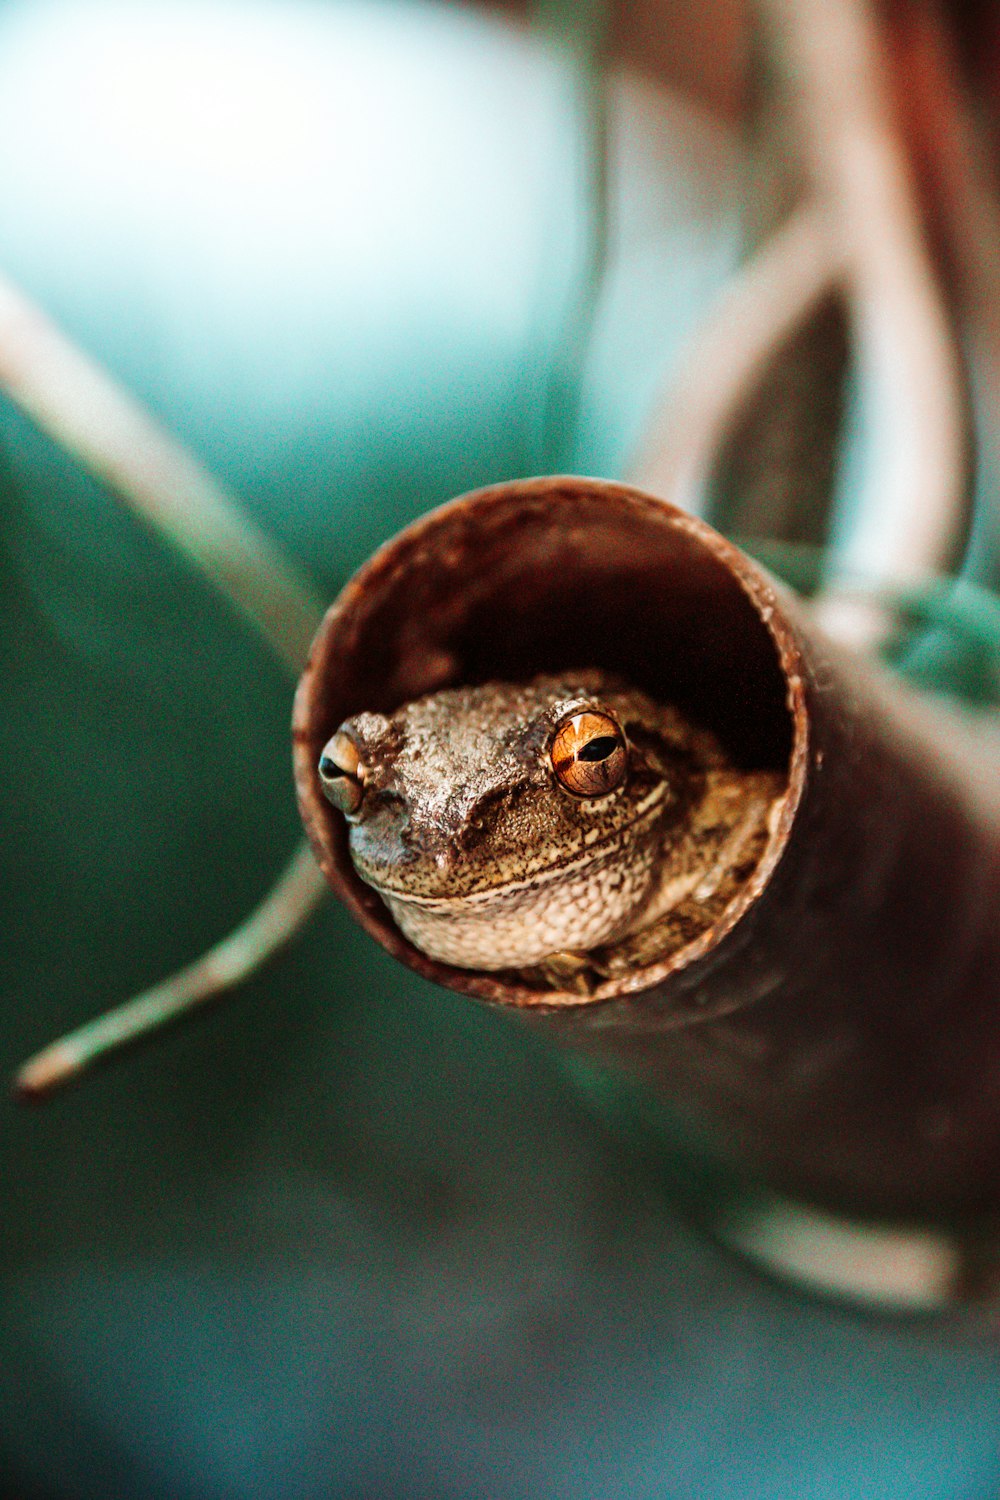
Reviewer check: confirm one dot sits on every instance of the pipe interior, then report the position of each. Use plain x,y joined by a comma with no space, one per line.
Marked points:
545,579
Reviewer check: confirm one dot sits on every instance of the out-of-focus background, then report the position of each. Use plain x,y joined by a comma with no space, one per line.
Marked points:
348,1235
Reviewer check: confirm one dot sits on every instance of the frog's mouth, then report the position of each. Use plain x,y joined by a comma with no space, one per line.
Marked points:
625,842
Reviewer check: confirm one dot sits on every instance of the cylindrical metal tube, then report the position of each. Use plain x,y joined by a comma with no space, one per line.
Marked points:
837,1032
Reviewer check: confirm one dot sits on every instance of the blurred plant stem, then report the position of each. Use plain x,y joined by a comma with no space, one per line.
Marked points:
88,414
78,404
580,28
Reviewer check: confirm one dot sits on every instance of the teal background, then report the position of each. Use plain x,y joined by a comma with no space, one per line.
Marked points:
347,1235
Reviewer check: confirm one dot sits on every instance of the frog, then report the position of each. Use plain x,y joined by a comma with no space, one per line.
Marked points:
563,830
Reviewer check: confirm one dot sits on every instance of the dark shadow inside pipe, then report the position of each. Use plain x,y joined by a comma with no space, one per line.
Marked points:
564,579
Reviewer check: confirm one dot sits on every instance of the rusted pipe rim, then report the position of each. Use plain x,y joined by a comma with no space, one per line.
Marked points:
543,575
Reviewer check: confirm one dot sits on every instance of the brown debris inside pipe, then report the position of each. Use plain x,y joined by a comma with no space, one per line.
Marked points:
832,1034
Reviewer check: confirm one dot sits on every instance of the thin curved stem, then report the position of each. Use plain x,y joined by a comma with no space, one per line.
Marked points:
912,515
754,316
83,409
272,924
582,30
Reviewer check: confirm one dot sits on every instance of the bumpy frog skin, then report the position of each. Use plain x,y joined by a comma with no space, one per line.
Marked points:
473,814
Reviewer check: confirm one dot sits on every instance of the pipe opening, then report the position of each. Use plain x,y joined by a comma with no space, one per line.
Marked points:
537,576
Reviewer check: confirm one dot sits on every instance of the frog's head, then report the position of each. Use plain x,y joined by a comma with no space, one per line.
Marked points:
505,822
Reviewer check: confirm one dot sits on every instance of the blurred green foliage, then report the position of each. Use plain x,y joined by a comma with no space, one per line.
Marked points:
346,1235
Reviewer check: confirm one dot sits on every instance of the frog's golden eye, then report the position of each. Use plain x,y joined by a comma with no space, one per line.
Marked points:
342,775
589,753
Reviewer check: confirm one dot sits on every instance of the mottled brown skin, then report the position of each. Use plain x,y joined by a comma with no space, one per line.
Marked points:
461,824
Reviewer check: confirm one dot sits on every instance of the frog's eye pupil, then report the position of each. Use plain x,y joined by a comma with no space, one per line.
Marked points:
599,748
589,753
329,768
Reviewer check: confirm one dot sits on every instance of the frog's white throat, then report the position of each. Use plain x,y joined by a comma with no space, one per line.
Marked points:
594,900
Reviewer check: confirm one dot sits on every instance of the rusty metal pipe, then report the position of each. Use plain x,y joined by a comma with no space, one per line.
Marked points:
836,1034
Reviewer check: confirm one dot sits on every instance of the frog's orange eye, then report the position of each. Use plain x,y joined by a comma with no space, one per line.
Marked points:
342,775
589,753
